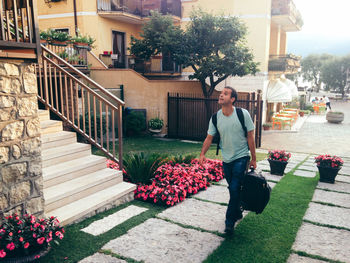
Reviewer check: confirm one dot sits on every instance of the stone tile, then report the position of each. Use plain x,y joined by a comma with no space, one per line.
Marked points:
101,258
207,216
295,258
263,167
105,224
223,182
272,177
337,186
332,198
263,162
345,170
323,241
215,193
271,184
304,173
343,178
308,168
328,215
156,240
287,170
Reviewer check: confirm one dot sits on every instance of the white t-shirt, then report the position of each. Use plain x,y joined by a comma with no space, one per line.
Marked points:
326,99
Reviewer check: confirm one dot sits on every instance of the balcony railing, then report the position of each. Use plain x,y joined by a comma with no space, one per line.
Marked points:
287,8
19,28
141,8
284,63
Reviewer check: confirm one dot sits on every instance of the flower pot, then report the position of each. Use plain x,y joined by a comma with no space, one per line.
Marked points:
58,43
155,130
334,117
28,258
266,128
328,174
277,167
301,114
81,45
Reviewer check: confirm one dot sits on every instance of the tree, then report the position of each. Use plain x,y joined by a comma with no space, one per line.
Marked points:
213,46
311,68
334,74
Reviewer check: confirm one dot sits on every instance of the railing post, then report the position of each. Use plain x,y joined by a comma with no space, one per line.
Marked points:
46,84
120,136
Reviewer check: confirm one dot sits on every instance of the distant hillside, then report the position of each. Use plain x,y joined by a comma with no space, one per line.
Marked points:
304,45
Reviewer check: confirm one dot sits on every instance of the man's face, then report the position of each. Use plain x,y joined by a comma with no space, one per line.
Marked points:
225,97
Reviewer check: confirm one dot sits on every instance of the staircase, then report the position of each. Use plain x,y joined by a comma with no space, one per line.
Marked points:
77,184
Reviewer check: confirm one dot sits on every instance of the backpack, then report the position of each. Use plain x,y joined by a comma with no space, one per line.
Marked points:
214,119
255,192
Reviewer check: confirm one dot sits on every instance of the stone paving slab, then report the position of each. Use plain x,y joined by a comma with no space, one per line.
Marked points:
345,170
337,186
272,177
263,162
263,167
323,241
308,168
328,215
215,193
304,173
343,178
156,240
332,198
192,212
105,224
295,258
271,184
288,169
223,182
101,258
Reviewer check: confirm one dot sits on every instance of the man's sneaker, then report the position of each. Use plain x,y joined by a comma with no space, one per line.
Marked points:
229,231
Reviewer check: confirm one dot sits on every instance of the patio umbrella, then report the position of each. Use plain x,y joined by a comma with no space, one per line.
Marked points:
278,92
292,87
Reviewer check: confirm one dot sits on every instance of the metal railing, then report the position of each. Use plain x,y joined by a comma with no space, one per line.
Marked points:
141,8
284,63
73,54
287,7
18,25
98,118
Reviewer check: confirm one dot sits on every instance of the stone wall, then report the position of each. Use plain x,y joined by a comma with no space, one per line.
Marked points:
20,145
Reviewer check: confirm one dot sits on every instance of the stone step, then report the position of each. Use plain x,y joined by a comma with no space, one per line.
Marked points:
93,203
65,153
50,126
62,194
57,139
69,170
44,115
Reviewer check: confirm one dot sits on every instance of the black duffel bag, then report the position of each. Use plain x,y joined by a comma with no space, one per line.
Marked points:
255,192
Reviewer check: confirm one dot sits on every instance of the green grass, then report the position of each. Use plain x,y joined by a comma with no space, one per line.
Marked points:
268,237
149,144
77,244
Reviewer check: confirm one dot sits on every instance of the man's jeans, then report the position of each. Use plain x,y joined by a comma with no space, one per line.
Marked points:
234,172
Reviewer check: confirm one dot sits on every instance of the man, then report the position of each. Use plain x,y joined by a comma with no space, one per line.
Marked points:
235,152
328,103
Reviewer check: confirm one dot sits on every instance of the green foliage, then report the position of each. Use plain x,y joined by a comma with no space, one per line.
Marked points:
98,126
213,46
309,107
84,39
183,158
267,124
59,36
155,123
141,167
135,122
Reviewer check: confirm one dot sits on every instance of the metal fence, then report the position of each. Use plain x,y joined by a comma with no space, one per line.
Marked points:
188,117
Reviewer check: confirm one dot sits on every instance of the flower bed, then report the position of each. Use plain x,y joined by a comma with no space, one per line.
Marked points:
327,160
174,182
278,155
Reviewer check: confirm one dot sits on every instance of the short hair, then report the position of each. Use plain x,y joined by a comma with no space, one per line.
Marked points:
233,92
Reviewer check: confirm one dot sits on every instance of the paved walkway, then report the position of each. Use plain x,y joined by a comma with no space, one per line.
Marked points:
316,135
325,231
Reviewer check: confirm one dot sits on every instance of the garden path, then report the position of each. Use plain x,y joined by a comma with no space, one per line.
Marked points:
193,229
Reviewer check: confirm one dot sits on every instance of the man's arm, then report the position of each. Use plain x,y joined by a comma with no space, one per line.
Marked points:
206,144
251,144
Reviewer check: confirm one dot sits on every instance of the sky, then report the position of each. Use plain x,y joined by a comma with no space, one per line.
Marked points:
326,28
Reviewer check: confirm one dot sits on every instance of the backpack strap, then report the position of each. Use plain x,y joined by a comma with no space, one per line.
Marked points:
214,119
241,120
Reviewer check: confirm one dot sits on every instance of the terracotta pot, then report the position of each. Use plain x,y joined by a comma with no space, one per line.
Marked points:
277,167
301,114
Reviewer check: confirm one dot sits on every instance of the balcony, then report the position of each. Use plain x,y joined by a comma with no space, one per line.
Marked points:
19,34
287,64
135,11
285,14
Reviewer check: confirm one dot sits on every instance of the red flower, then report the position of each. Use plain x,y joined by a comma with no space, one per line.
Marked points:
20,239
26,245
10,246
40,240
2,253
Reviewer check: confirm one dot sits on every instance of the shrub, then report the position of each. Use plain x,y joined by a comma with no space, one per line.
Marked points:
327,160
140,167
135,122
187,159
27,235
278,155
155,123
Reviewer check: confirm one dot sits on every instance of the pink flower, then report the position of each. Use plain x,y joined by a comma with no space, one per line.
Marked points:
20,239
10,246
26,245
2,253
40,240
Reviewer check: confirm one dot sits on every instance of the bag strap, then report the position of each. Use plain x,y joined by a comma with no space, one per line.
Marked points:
214,119
241,120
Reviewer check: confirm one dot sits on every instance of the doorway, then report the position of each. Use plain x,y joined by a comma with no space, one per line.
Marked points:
119,58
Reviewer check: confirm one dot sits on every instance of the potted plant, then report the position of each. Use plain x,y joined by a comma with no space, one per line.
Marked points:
24,239
59,38
155,125
44,37
267,126
278,160
328,167
335,116
81,41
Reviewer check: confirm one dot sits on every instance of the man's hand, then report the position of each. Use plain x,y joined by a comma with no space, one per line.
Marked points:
252,164
202,159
